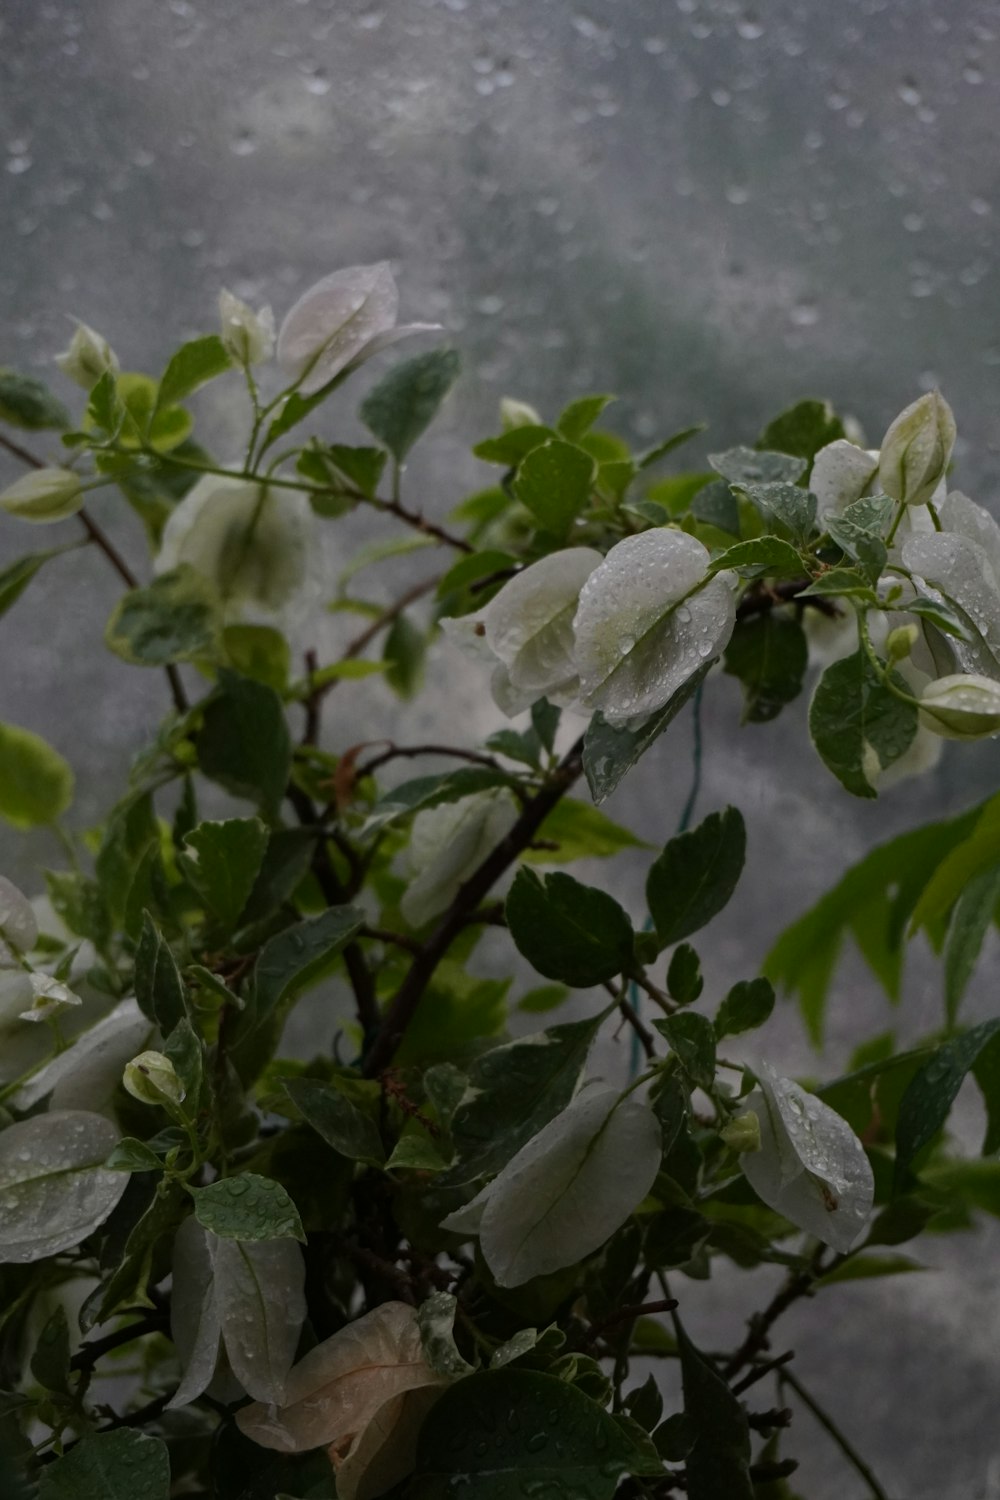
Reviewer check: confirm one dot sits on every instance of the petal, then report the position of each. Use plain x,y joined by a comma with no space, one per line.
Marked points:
963,516
447,843
87,1074
960,569
18,923
529,623
840,474
391,336
386,1450
333,322
640,630
194,1318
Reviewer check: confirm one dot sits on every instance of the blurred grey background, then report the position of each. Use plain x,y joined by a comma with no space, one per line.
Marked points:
709,208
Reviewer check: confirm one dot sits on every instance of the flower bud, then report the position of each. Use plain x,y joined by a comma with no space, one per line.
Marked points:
742,1133
916,450
517,414
49,997
248,336
152,1079
963,706
43,495
901,641
88,357
18,924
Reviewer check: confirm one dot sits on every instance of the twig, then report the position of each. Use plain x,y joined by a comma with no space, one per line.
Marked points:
797,1284
419,522
642,979
627,1314
88,1354
829,1425
760,1370
410,992
631,1015
410,752
396,939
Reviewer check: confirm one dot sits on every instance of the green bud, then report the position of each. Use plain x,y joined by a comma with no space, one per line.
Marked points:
152,1079
742,1133
517,414
248,336
43,495
963,706
88,357
916,450
901,641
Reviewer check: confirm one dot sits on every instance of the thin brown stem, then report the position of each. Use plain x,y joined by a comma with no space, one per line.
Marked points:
411,991
411,752
797,1284
419,522
829,1426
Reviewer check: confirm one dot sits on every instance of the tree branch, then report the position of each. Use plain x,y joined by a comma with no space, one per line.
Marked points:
829,1425
796,1284
410,992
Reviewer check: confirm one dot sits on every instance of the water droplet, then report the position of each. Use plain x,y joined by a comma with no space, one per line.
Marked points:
536,1441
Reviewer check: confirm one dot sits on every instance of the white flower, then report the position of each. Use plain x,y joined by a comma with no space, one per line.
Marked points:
811,1168
447,844
43,495
88,357
916,450
647,622
18,924
340,322
253,547
841,473
962,706
961,563
49,997
248,336
526,631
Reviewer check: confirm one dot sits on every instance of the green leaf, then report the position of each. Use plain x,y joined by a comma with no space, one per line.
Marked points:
660,450
873,900
684,979
174,618
745,466
131,1155
471,569
858,531
36,784
762,555
857,725
803,429
222,862
511,1433
361,467
692,1039
28,403
554,483
695,875
511,448
864,1267
930,1094
515,1091
609,753
341,1124
977,852
122,1465
545,718
969,924
580,415
159,988
845,583
718,1463
185,1050
296,409
431,791
15,578
300,955
193,365
715,505
403,404
403,656
580,832
50,1360
568,931
260,652
938,612
747,1006
247,1207
436,1317
525,747
786,506
244,742
543,998
986,1071
770,655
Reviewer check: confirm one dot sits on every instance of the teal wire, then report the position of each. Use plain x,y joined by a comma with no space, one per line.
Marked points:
687,813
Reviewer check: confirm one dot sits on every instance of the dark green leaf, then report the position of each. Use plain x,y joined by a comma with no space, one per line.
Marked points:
259,652
747,1006
568,931
524,746
969,924
431,791
787,506
854,717
122,1465
36,784
193,365
341,1124
718,1463
580,415
131,1155
609,753
15,578
660,450
159,988
300,955
511,1433
222,861
684,979
244,742
715,505
986,1071
296,409
28,403
752,466
858,531
846,583
769,654
938,612
361,467
403,404
510,448
545,718
692,1038
930,1094
50,1361
695,875
174,618
247,1207
185,1050
554,483
516,1090
803,430
404,652
978,851
763,555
